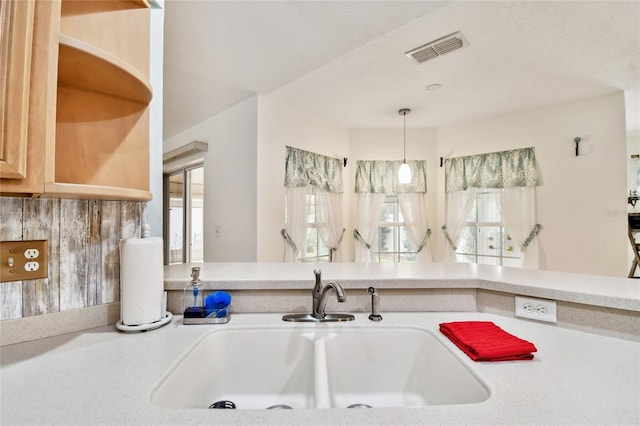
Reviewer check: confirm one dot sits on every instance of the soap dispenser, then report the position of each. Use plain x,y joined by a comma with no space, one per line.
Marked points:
193,298
200,310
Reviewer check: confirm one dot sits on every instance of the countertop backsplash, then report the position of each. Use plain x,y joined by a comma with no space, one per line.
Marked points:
84,259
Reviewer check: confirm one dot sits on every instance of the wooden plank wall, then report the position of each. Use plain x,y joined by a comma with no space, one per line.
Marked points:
84,258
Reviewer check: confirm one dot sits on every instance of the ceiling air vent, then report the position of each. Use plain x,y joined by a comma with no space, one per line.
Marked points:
437,47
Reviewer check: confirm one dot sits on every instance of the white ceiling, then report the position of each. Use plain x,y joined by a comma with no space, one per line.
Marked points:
345,61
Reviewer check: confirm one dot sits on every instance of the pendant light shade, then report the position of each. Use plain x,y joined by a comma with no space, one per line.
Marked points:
404,173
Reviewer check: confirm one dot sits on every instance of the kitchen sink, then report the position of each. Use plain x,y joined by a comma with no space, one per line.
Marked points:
312,367
397,367
255,368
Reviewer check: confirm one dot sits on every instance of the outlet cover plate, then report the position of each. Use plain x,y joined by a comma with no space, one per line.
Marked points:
23,260
536,309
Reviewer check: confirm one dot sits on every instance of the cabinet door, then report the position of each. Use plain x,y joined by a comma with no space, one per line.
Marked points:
16,20
30,38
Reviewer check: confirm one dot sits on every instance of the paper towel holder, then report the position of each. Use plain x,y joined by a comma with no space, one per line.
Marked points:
147,321
166,319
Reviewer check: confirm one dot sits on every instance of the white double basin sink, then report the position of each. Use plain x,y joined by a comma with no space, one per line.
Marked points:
321,366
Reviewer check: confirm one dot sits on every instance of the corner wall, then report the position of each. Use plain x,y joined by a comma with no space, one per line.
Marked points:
230,181
387,144
280,125
156,73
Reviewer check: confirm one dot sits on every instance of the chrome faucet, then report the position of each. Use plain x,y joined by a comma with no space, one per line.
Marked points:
320,294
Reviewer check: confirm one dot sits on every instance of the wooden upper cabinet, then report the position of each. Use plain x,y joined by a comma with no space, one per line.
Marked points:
95,136
35,90
16,18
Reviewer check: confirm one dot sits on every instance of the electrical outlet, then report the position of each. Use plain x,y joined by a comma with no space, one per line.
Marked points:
31,253
31,266
536,309
23,260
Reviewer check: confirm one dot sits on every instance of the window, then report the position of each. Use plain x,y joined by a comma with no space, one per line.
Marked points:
314,248
391,243
484,239
184,215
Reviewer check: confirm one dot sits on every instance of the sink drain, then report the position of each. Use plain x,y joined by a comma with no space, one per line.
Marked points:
280,407
359,406
222,405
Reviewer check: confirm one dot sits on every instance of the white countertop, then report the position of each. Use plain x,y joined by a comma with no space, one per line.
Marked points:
611,292
105,377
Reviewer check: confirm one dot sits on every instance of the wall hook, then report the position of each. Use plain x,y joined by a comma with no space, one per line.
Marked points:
441,161
577,140
344,161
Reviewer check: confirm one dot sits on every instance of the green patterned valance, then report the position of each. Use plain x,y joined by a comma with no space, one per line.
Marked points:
381,177
304,168
506,169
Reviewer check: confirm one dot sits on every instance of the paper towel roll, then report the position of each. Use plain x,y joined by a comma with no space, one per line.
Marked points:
141,280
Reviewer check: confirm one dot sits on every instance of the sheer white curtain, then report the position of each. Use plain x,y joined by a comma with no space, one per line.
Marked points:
368,210
518,209
329,221
297,212
414,212
459,204
513,171
306,172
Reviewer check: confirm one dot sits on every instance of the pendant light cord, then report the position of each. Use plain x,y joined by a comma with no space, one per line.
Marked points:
404,172
404,138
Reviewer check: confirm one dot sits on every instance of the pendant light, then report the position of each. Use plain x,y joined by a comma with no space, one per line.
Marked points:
404,173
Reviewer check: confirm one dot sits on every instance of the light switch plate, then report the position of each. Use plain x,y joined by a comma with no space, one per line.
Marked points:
24,260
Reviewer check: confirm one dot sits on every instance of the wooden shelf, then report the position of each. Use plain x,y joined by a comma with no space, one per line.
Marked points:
88,104
84,66
94,192
141,3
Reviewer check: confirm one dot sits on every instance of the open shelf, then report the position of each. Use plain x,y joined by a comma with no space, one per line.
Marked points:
141,3
94,192
84,66
101,140
88,106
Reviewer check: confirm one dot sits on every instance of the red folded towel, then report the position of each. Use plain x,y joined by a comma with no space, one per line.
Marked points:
485,341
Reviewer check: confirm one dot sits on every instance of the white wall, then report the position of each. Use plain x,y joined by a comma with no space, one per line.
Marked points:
386,144
154,207
280,125
582,200
230,179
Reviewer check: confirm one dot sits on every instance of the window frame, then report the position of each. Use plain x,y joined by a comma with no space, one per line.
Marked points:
476,226
187,205
397,254
311,203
